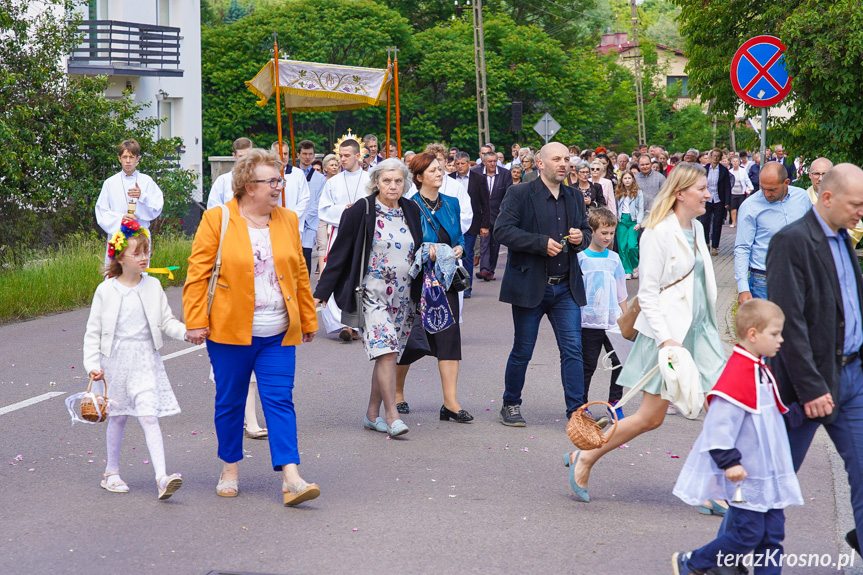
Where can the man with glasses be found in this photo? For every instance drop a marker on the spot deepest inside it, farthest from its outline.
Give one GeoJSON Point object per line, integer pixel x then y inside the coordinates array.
{"type": "Point", "coordinates": [817, 170]}
{"type": "Point", "coordinates": [341, 192]}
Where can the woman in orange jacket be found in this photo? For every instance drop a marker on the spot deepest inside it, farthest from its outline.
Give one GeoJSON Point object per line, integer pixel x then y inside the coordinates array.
{"type": "Point", "coordinates": [261, 310]}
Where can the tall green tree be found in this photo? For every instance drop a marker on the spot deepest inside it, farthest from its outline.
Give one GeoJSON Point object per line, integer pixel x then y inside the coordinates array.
{"type": "Point", "coordinates": [825, 52]}
{"type": "Point", "coordinates": [59, 133]}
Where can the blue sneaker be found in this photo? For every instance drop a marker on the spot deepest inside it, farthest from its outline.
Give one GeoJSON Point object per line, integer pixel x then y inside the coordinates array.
{"type": "Point", "coordinates": [680, 564]}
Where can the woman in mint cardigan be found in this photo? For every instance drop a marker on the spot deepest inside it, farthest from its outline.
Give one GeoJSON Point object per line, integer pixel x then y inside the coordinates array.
{"type": "Point", "coordinates": [441, 224]}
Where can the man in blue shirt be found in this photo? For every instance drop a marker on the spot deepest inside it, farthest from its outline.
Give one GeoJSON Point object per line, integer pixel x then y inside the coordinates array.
{"type": "Point", "coordinates": [763, 214]}
{"type": "Point", "coordinates": [814, 276]}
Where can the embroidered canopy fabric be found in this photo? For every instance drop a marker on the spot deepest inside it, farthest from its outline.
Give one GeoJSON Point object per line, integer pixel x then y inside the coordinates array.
{"type": "Point", "coordinates": [314, 87]}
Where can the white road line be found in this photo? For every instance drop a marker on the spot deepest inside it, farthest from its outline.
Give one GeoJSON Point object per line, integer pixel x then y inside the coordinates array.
{"type": "Point", "coordinates": [183, 352]}
{"type": "Point", "coordinates": [31, 401]}
{"type": "Point", "coordinates": [49, 395]}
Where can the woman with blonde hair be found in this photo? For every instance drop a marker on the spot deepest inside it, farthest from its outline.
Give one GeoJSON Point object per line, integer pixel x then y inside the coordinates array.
{"type": "Point", "coordinates": [677, 294]}
{"type": "Point", "coordinates": [630, 211]}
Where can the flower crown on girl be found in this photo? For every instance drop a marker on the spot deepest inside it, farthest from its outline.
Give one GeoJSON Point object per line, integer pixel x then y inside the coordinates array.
{"type": "Point", "coordinates": [120, 239]}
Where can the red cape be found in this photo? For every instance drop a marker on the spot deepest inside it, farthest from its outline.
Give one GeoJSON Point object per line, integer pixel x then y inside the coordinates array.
{"type": "Point", "coordinates": [739, 382]}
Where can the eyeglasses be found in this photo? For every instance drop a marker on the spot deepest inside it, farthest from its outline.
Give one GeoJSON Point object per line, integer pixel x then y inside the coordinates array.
{"type": "Point", "coordinates": [817, 174]}
{"type": "Point", "coordinates": [274, 182]}
{"type": "Point", "coordinates": [142, 255]}
{"type": "Point", "coordinates": [595, 169]}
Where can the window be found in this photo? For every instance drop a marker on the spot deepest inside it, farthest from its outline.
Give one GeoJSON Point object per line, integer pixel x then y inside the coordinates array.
{"type": "Point", "coordinates": [682, 80]}
{"type": "Point", "coordinates": [98, 10]}
{"type": "Point", "coordinates": [166, 113]}
{"type": "Point", "coordinates": [164, 13]}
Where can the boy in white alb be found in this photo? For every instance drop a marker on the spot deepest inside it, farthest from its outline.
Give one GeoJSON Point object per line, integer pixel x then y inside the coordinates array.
{"type": "Point", "coordinates": [744, 443]}
{"type": "Point", "coordinates": [605, 288]}
{"type": "Point", "coordinates": [222, 190]}
{"type": "Point", "coordinates": [126, 190]}
{"type": "Point", "coordinates": [341, 192]}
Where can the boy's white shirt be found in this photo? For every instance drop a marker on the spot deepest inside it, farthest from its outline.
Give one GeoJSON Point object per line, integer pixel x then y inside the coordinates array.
{"type": "Point", "coordinates": [114, 200]}
{"type": "Point", "coordinates": [102, 323]}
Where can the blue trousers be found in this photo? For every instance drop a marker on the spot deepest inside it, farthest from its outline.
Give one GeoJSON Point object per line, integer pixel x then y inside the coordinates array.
{"type": "Point", "coordinates": [758, 284]}
{"type": "Point", "coordinates": [467, 260]}
{"type": "Point", "coordinates": [565, 318]}
{"type": "Point", "coordinates": [274, 367]}
{"type": "Point", "coordinates": [846, 432]}
{"type": "Point", "coordinates": [746, 530]}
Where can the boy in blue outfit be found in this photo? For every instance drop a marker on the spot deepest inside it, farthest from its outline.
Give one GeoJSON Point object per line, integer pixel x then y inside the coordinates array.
{"type": "Point", "coordinates": [744, 442]}
{"type": "Point", "coordinates": [605, 287]}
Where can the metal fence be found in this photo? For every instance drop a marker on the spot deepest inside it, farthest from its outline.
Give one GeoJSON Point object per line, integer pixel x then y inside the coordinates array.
{"type": "Point", "coordinates": [112, 47]}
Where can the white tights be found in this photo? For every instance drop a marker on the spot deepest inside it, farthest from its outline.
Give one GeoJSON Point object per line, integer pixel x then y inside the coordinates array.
{"type": "Point", "coordinates": [152, 434]}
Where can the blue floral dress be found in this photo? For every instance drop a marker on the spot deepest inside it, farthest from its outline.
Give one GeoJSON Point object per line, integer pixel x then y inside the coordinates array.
{"type": "Point", "coordinates": [387, 306]}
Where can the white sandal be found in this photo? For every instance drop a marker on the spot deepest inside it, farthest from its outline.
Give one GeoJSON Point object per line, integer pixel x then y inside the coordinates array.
{"type": "Point", "coordinates": [224, 484]}
{"type": "Point", "coordinates": [299, 492]}
{"type": "Point", "coordinates": [173, 483]}
{"type": "Point", "coordinates": [116, 487]}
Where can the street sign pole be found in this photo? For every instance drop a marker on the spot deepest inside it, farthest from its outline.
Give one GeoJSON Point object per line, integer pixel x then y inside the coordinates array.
{"type": "Point", "coordinates": [763, 136]}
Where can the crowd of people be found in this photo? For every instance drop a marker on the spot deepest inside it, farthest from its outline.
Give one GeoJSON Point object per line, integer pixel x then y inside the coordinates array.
{"type": "Point", "coordinates": [399, 243]}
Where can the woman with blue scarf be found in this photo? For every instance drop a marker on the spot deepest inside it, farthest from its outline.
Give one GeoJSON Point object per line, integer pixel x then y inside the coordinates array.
{"type": "Point", "coordinates": [443, 244]}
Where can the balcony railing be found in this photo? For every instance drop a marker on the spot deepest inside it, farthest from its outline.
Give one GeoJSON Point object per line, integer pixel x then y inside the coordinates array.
{"type": "Point", "coordinates": [125, 48]}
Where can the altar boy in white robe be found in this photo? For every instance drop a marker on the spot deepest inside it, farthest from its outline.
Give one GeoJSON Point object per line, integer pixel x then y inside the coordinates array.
{"type": "Point", "coordinates": [125, 188]}
{"type": "Point", "coordinates": [222, 190]}
{"type": "Point", "coordinates": [297, 193]}
{"type": "Point", "coordinates": [341, 192]}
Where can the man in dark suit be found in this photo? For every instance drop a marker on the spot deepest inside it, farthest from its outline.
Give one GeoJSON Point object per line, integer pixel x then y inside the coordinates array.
{"type": "Point", "coordinates": [544, 225]}
{"type": "Point", "coordinates": [497, 181]}
{"type": "Point", "coordinates": [814, 276]}
{"type": "Point", "coordinates": [481, 223]}
{"type": "Point", "coordinates": [779, 152]}
{"type": "Point", "coordinates": [719, 186]}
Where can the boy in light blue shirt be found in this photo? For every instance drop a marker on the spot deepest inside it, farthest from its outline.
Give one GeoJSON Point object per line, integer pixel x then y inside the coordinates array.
{"type": "Point", "coordinates": [605, 287]}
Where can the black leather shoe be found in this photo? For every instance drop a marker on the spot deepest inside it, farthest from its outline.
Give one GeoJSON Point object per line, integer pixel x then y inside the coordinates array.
{"type": "Point", "coordinates": [403, 407]}
{"type": "Point", "coordinates": [461, 417]}
{"type": "Point", "coordinates": [851, 539]}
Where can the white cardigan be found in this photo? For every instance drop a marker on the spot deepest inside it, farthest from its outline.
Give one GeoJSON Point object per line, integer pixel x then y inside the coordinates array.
{"type": "Point", "coordinates": [665, 257]}
{"type": "Point", "coordinates": [99, 337]}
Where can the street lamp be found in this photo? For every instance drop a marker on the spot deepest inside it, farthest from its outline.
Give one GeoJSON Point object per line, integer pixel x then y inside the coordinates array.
{"type": "Point", "coordinates": [459, 9]}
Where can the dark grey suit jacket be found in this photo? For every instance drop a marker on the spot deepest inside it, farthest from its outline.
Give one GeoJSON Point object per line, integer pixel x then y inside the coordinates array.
{"type": "Point", "coordinates": [802, 280]}
{"type": "Point", "coordinates": [502, 183]}
{"type": "Point", "coordinates": [522, 227]}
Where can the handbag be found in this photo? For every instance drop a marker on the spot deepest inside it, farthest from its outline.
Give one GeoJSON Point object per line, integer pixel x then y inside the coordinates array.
{"type": "Point", "coordinates": [217, 266]}
{"type": "Point", "coordinates": [434, 307]}
{"type": "Point", "coordinates": [626, 322]}
{"type": "Point", "coordinates": [461, 279]}
{"type": "Point", "coordinates": [356, 319]}
{"type": "Point", "coordinates": [94, 408]}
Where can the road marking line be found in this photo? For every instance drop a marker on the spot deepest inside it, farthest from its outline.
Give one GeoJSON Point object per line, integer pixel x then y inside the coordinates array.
{"type": "Point", "coordinates": [183, 352]}
{"type": "Point", "coordinates": [31, 401]}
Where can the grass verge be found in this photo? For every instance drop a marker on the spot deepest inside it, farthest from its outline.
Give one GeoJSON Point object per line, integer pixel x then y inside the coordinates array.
{"type": "Point", "coordinates": [65, 277]}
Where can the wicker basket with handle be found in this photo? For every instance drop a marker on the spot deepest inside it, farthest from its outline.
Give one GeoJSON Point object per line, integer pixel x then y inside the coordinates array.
{"type": "Point", "coordinates": [583, 430]}
{"type": "Point", "coordinates": [94, 408]}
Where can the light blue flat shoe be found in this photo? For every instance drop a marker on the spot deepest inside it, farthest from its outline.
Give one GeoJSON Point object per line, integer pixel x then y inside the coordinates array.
{"type": "Point", "coordinates": [713, 509]}
{"type": "Point", "coordinates": [378, 425]}
{"type": "Point", "coordinates": [580, 492]}
{"type": "Point", "coordinates": [398, 428]}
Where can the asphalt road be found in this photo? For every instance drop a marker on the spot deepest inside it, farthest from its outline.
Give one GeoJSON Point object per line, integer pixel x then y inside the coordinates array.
{"type": "Point", "coordinates": [477, 498]}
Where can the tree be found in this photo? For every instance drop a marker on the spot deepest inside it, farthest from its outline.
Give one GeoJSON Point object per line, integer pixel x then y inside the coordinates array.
{"type": "Point", "coordinates": [235, 12]}
{"type": "Point", "coordinates": [825, 49]}
{"type": "Point", "coordinates": [59, 133]}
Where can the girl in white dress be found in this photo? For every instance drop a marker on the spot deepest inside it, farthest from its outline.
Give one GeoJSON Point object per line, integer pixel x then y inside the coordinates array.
{"type": "Point", "coordinates": [124, 332]}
